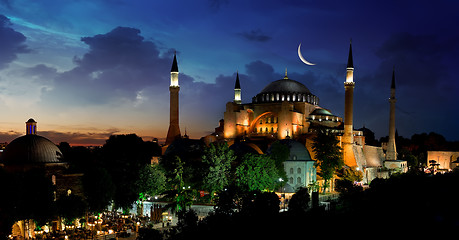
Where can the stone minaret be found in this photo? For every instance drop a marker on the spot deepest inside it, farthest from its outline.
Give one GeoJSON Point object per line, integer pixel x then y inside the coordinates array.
{"type": "Point", "coordinates": [391, 153]}
{"type": "Point", "coordinates": [31, 127]}
{"type": "Point", "coordinates": [237, 90]}
{"type": "Point", "coordinates": [174, 88]}
{"type": "Point", "coordinates": [348, 137]}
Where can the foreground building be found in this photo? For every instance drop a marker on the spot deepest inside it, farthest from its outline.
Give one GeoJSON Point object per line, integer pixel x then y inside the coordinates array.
{"type": "Point", "coordinates": [31, 152]}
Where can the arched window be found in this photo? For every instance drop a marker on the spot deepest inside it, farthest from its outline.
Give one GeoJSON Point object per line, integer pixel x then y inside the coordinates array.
{"type": "Point", "coordinates": [291, 170]}
{"type": "Point", "coordinates": [291, 180]}
{"type": "Point", "coordinates": [298, 181]}
{"type": "Point", "coordinates": [298, 170]}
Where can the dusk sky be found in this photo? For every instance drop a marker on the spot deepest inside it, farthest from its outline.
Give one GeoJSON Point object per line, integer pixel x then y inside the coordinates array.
{"type": "Point", "coordinates": [87, 69]}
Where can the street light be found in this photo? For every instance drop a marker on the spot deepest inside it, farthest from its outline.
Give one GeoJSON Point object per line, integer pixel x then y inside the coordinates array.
{"type": "Point", "coordinates": [283, 193]}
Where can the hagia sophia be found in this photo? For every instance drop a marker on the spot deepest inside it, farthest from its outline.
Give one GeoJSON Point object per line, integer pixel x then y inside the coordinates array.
{"type": "Point", "coordinates": [286, 110]}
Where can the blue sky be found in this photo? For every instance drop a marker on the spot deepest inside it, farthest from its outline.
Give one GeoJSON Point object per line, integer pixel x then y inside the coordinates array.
{"type": "Point", "coordinates": [87, 69]}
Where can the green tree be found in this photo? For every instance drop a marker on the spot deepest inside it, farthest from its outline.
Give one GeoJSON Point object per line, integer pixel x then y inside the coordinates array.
{"type": "Point", "coordinates": [328, 155]}
{"type": "Point", "coordinates": [350, 174]}
{"type": "Point", "coordinates": [256, 173]}
{"type": "Point", "coordinates": [151, 182]}
{"type": "Point", "coordinates": [279, 153]}
{"type": "Point", "coordinates": [218, 158]}
{"type": "Point", "coordinates": [182, 194]}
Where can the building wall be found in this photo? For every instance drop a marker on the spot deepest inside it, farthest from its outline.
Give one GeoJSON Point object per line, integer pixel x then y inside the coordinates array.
{"type": "Point", "coordinates": [300, 173]}
{"type": "Point", "coordinates": [444, 158]}
{"type": "Point", "coordinates": [291, 119]}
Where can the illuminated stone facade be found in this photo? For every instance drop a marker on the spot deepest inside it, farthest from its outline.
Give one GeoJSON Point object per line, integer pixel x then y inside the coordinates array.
{"type": "Point", "coordinates": [283, 108]}
{"type": "Point", "coordinates": [446, 160]}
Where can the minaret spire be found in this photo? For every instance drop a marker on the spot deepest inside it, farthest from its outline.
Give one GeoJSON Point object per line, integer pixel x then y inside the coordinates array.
{"type": "Point", "coordinates": [174, 88]}
{"type": "Point", "coordinates": [391, 153]}
{"type": "Point", "coordinates": [348, 136]}
{"type": "Point", "coordinates": [237, 90]}
{"type": "Point", "coordinates": [350, 62]}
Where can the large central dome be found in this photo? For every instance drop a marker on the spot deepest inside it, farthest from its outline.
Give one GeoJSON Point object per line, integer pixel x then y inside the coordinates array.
{"type": "Point", "coordinates": [285, 86]}
{"type": "Point", "coordinates": [285, 90]}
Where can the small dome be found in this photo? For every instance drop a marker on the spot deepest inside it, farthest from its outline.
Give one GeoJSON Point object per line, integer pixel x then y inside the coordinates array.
{"type": "Point", "coordinates": [31, 149]}
{"type": "Point", "coordinates": [298, 152]}
{"type": "Point", "coordinates": [321, 111]}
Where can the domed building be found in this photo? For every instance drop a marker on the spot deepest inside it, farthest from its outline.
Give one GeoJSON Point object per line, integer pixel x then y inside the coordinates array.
{"type": "Point", "coordinates": [31, 152]}
{"type": "Point", "coordinates": [283, 108]}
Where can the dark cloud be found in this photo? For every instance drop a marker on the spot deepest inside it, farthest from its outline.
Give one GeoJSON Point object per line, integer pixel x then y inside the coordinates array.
{"type": "Point", "coordinates": [12, 42]}
{"type": "Point", "coordinates": [255, 35]}
{"type": "Point", "coordinates": [118, 65]}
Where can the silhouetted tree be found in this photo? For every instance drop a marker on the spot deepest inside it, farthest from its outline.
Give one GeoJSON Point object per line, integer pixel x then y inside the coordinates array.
{"type": "Point", "coordinates": [71, 207]}
{"type": "Point", "coordinates": [299, 203]}
{"type": "Point", "coordinates": [124, 156]}
{"type": "Point", "coordinates": [99, 188]}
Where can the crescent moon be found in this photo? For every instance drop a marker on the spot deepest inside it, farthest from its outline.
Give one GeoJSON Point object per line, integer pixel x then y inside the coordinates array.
{"type": "Point", "coordinates": [302, 58]}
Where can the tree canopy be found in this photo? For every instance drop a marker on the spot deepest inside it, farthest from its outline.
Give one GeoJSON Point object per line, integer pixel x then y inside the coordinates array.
{"type": "Point", "coordinates": [328, 154]}
{"type": "Point", "coordinates": [218, 159]}
{"type": "Point", "coordinates": [256, 173]}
